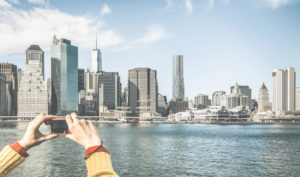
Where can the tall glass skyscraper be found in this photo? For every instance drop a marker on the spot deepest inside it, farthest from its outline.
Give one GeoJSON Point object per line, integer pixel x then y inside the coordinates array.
{"type": "Point", "coordinates": [64, 75]}
{"type": "Point", "coordinates": [178, 80]}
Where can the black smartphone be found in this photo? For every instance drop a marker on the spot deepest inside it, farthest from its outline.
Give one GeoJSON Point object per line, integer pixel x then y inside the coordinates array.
{"type": "Point", "coordinates": [59, 126]}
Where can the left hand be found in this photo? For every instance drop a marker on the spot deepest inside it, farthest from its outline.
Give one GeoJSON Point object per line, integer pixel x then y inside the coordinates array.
{"type": "Point", "coordinates": [33, 136]}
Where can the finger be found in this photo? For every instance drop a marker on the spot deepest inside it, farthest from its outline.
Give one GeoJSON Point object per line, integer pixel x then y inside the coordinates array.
{"type": "Point", "coordinates": [40, 119]}
{"type": "Point", "coordinates": [71, 137]}
{"type": "Point", "coordinates": [69, 121]}
{"type": "Point", "coordinates": [91, 126]}
{"type": "Point", "coordinates": [75, 118]}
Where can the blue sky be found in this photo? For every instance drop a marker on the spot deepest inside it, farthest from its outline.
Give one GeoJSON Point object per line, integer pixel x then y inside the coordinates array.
{"type": "Point", "coordinates": [223, 41]}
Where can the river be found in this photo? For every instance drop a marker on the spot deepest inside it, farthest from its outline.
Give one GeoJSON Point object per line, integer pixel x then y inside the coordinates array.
{"type": "Point", "coordinates": [170, 150]}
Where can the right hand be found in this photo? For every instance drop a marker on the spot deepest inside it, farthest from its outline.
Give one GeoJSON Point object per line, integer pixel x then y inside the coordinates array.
{"type": "Point", "coordinates": [83, 132]}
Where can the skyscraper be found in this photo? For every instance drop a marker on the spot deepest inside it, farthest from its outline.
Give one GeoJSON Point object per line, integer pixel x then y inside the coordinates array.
{"type": "Point", "coordinates": [217, 98]}
{"type": "Point", "coordinates": [297, 99]}
{"type": "Point", "coordinates": [263, 97]}
{"type": "Point", "coordinates": [32, 94]}
{"type": "Point", "coordinates": [80, 79]}
{"type": "Point", "coordinates": [64, 75]}
{"type": "Point", "coordinates": [110, 89]}
{"type": "Point", "coordinates": [283, 89]}
{"type": "Point", "coordinates": [178, 79]}
{"type": "Point", "coordinates": [244, 90]}
{"type": "Point", "coordinates": [201, 101]}
{"type": "Point", "coordinates": [96, 59]}
{"type": "Point", "coordinates": [142, 90]}
{"type": "Point", "coordinates": [10, 71]}
{"type": "Point", "coordinates": [2, 95]}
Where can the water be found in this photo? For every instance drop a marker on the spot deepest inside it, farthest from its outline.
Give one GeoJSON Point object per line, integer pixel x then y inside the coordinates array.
{"type": "Point", "coordinates": [170, 150]}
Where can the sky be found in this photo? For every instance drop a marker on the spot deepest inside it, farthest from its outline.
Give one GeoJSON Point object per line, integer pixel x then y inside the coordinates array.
{"type": "Point", "coordinates": [223, 41]}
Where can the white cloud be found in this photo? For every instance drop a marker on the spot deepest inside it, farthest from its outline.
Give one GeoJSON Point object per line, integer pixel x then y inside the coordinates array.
{"type": "Point", "coordinates": [276, 3]}
{"type": "Point", "coordinates": [20, 28]}
{"type": "Point", "coordinates": [154, 33]}
{"type": "Point", "coordinates": [105, 10]}
{"type": "Point", "coordinates": [4, 4]}
{"type": "Point", "coordinates": [37, 1]}
{"type": "Point", "coordinates": [189, 6]}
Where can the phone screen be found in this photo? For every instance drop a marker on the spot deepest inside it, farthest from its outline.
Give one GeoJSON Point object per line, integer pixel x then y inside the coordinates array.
{"type": "Point", "coordinates": [59, 126]}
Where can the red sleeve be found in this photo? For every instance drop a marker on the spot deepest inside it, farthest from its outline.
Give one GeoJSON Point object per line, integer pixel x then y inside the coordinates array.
{"type": "Point", "coordinates": [19, 149]}
{"type": "Point", "coordinates": [93, 148]}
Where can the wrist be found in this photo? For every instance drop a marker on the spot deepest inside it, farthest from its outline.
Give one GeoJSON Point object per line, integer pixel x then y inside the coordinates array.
{"type": "Point", "coordinates": [24, 144]}
{"type": "Point", "coordinates": [91, 144]}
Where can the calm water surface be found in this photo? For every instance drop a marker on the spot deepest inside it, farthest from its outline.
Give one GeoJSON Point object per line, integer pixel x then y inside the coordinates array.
{"type": "Point", "coordinates": [170, 150]}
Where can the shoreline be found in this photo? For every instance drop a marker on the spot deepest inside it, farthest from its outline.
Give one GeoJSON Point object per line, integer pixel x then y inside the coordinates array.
{"type": "Point", "coordinates": [212, 123]}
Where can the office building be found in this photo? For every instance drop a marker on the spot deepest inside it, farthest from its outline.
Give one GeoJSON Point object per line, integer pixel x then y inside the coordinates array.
{"type": "Point", "coordinates": [217, 98]}
{"type": "Point", "coordinates": [177, 105]}
{"type": "Point", "coordinates": [109, 89]}
{"type": "Point", "coordinates": [142, 90]}
{"type": "Point", "coordinates": [263, 97]}
{"type": "Point", "coordinates": [178, 79]}
{"type": "Point", "coordinates": [96, 59]}
{"type": "Point", "coordinates": [32, 94]}
{"type": "Point", "coordinates": [201, 101]}
{"type": "Point", "coordinates": [10, 72]}
{"type": "Point", "coordinates": [64, 76]}
{"type": "Point", "coordinates": [244, 90]}
{"type": "Point", "coordinates": [80, 79]}
{"type": "Point", "coordinates": [2, 95]}
{"type": "Point", "coordinates": [283, 90]}
{"type": "Point", "coordinates": [298, 98]}
{"type": "Point", "coordinates": [162, 108]}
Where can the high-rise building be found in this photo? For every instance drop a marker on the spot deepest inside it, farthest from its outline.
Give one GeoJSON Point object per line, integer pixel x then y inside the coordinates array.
{"type": "Point", "coordinates": [291, 89]}
{"type": "Point", "coordinates": [64, 76]}
{"type": "Point", "coordinates": [244, 90]}
{"type": "Point", "coordinates": [162, 107]}
{"type": "Point", "coordinates": [96, 59]}
{"type": "Point", "coordinates": [32, 94]}
{"type": "Point", "coordinates": [263, 97]}
{"type": "Point", "coordinates": [110, 89]}
{"type": "Point", "coordinates": [107, 88]}
{"type": "Point", "coordinates": [217, 98]}
{"type": "Point", "coordinates": [10, 71]}
{"type": "Point", "coordinates": [178, 79]}
{"type": "Point", "coordinates": [178, 105]}
{"type": "Point", "coordinates": [142, 90]}
{"type": "Point", "coordinates": [232, 101]}
{"type": "Point", "coordinates": [2, 95]}
{"type": "Point", "coordinates": [201, 101]}
{"type": "Point", "coordinates": [298, 98]}
{"type": "Point", "coordinates": [19, 76]}
{"type": "Point", "coordinates": [283, 89]}
{"type": "Point", "coordinates": [80, 79]}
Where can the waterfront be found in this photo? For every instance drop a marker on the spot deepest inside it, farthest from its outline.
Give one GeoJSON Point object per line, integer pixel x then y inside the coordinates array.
{"type": "Point", "coordinates": [171, 150]}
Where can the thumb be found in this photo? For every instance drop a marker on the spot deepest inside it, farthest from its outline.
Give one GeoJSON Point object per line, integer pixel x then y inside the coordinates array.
{"type": "Point", "coordinates": [49, 137]}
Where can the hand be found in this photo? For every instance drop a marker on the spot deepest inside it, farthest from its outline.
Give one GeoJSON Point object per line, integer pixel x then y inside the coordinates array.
{"type": "Point", "coordinates": [83, 132]}
{"type": "Point", "coordinates": [33, 136]}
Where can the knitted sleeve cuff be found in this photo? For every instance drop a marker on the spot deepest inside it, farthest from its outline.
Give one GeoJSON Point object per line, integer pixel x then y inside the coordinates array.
{"type": "Point", "coordinates": [19, 149]}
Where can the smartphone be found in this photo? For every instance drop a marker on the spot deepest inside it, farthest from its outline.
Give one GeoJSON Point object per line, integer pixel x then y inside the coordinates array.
{"type": "Point", "coordinates": [59, 126]}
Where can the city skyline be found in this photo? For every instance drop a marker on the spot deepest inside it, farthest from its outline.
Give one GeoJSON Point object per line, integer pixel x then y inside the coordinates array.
{"type": "Point", "coordinates": [254, 46]}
